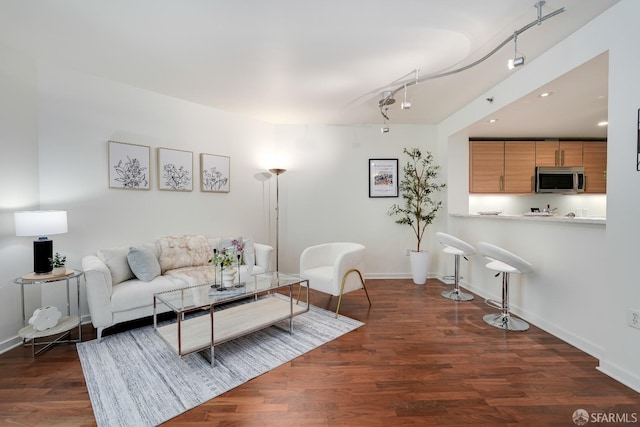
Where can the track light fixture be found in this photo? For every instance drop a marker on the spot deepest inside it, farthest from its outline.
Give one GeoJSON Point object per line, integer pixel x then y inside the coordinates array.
{"type": "Point", "coordinates": [405, 105]}
{"type": "Point", "coordinates": [517, 60]}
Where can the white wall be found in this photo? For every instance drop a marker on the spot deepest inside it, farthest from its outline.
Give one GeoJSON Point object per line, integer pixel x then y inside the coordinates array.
{"type": "Point", "coordinates": [623, 203]}
{"type": "Point", "coordinates": [324, 195]}
{"type": "Point", "coordinates": [18, 180]}
{"type": "Point", "coordinates": [585, 278]}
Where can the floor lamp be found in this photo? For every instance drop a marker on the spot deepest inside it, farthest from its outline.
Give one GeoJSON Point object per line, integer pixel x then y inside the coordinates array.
{"type": "Point", "coordinates": [277, 172]}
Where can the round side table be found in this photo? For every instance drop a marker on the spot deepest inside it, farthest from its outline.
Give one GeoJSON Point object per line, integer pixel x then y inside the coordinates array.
{"type": "Point", "coordinates": [65, 325]}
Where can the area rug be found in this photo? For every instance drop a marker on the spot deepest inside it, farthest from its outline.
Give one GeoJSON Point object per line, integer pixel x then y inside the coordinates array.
{"type": "Point", "coordinates": [134, 379]}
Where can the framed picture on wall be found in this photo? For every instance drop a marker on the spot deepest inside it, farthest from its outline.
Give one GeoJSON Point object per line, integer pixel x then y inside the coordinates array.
{"type": "Point", "coordinates": [383, 177]}
{"type": "Point", "coordinates": [175, 170]}
{"type": "Point", "coordinates": [128, 165]}
{"type": "Point", "coordinates": [215, 174]}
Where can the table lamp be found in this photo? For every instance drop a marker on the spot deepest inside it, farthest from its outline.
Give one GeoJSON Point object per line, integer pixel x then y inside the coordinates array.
{"type": "Point", "coordinates": [41, 224]}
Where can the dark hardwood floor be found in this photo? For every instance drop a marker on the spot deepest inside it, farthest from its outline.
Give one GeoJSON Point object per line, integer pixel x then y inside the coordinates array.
{"type": "Point", "coordinates": [420, 359]}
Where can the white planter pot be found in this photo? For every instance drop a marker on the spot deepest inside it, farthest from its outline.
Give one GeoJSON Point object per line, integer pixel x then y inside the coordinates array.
{"type": "Point", "coordinates": [419, 266]}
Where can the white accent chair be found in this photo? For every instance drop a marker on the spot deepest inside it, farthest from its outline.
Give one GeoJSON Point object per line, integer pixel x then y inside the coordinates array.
{"type": "Point", "coordinates": [334, 268]}
{"type": "Point", "coordinates": [456, 247]}
{"type": "Point", "coordinates": [504, 262]}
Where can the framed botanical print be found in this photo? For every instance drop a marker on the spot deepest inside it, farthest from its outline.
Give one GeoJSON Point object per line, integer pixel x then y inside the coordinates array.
{"type": "Point", "coordinates": [175, 170]}
{"type": "Point", "coordinates": [383, 177]}
{"type": "Point", "coordinates": [128, 165]}
{"type": "Point", "coordinates": [215, 173]}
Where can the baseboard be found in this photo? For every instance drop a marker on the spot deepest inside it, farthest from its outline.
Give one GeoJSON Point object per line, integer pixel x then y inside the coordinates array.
{"type": "Point", "coordinates": [10, 344]}
{"type": "Point", "coordinates": [587, 346]}
{"type": "Point", "coordinates": [621, 375]}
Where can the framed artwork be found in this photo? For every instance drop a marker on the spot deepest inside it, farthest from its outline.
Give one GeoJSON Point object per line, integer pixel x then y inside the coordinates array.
{"type": "Point", "coordinates": [128, 165]}
{"type": "Point", "coordinates": [175, 170]}
{"type": "Point", "coordinates": [383, 177]}
{"type": "Point", "coordinates": [215, 175]}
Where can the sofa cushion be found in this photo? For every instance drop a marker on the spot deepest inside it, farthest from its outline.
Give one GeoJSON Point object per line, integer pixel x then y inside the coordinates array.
{"type": "Point", "coordinates": [183, 251]}
{"type": "Point", "coordinates": [116, 261]}
{"type": "Point", "coordinates": [143, 263]}
{"type": "Point", "coordinates": [135, 293]}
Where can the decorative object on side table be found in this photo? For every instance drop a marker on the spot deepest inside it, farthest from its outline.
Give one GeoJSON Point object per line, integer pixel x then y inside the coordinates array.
{"type": "Point", "coordinates": [58, 264]}
{"type": "Point", "coordinates": [419, 208]}
{"type": "Point", "coordinates": [45, 318]}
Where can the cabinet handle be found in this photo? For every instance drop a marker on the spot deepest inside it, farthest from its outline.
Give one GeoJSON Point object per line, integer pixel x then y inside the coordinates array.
{"type": "Point", "coordinates": [562, 158]}
{"type": "Point", "coordinates": [557, 159]}
{"type": "Point", "coordinates": [533, 184]}
{"type": "Point", "coordinates": [501, 182]}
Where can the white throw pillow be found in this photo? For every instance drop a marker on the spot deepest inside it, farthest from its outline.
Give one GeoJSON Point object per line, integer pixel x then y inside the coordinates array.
{"type": "Point", "coordinates": [116, 261]}
{"type": "Point", "coordinates": [143, 263]}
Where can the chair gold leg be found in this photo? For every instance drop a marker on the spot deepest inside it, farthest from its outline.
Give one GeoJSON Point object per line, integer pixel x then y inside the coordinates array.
{"type": "Point", "coordinates": [344, 279]}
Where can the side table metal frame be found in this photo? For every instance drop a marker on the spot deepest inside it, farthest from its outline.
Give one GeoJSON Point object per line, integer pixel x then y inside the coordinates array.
{"type": "Point", "coordinates": [64, 333]}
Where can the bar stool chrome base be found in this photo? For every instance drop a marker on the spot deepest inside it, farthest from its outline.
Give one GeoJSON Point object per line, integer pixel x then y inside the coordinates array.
{"type": "Point", "coordinates": [506, 322]}
{"type": "Point", "coordinates": [457, 295]}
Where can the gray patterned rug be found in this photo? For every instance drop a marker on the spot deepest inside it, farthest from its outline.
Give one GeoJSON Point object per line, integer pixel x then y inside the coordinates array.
{"type": "Point", "coordinates": [134, 379]}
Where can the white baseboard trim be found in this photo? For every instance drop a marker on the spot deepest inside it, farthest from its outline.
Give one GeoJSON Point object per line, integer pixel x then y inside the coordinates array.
{"type": "Point", "coordinates": [569, 337]}
{"type": "Point", "coordinates": [623, 376]}
{"type": "Point", "coordinates": [10, 344]}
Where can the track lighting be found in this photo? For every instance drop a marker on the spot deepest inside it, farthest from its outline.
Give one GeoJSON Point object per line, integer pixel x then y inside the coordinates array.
{"type": "Point", "coordinates": [517, 60]}
{"type": "Point", "coordinates": [405, 105]}
{"type": "Point", "coordinates": [384, 129]}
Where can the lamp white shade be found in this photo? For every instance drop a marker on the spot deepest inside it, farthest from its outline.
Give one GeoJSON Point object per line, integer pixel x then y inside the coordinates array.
{"type": "Point", "coordinates": [40, 223]}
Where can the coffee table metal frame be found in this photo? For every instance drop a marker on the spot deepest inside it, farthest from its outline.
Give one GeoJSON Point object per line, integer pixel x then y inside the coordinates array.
{"type": "Point", "coordinates": [198, 333]}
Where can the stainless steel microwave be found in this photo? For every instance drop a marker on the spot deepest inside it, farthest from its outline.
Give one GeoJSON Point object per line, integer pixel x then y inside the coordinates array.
{"type": "Point", "coordinates": [568, 180]}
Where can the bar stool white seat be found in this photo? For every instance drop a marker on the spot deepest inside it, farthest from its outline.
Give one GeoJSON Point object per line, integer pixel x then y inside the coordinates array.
{"type": "Point", "coordinates": [457, 248]}
{"type": "Point", "coordinates": [506, 263]}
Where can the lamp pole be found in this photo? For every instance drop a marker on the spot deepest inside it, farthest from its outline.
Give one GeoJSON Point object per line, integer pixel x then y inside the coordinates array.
{"type": "Point", "coordinates": [277, 172]}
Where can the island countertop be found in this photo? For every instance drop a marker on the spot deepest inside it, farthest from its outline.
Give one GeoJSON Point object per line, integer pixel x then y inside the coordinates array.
{"type": "Point", "coordinates": [553, 218]}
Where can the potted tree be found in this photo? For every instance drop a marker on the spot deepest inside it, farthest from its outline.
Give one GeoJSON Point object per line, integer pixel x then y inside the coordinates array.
{"type": "Point", "coordinates": [418, 209]}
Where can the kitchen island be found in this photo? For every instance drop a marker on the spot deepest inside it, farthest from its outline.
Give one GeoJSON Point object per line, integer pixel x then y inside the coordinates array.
{"type": "Point", "coordinates": [564, 293]}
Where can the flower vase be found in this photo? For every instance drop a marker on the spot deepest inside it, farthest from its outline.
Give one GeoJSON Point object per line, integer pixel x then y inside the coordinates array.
{"type": "Point", "coordinates": [228, 276]}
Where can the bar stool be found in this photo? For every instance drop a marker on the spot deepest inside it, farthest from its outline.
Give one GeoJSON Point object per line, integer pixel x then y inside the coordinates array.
{"type": "Point", "coordinates": [456, 247]}
{"type": "Point", "coordinates": [506, 263]}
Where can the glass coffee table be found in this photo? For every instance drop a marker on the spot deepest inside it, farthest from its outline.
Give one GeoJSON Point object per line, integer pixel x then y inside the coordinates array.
{"type": "Point", "coordinates": [199, 326]}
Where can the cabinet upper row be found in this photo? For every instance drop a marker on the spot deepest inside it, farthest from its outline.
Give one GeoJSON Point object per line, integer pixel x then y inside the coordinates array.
{"type": "Point", "coordinates": [509, 166]}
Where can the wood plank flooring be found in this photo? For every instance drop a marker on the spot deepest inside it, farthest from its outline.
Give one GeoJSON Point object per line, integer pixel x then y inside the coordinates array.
{"type": "Point", "coordinates": [419, 360]}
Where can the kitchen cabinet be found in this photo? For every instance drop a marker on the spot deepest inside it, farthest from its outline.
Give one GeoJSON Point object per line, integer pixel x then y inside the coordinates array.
{"type": "Point", "coordinates": [501, 167]}
{"type": "Point", "coordinates": [559, 153]}
{"type": "Point", "coordinates": [486, 164]}
{"type": "Point", "coordinates": [595, 167]}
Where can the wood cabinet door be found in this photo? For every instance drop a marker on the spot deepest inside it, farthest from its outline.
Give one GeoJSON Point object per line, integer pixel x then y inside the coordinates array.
{"type": "Point", "coordinates": [547, 153]}
{"type": "Point", "coordinates": [554, 153]}
{"type": "Point", "coordinates": [595, 167]}
{"type": "Point", "coordinates": [571, 153]}
{"type": "Point", "coordinates": [519, 166]}
{"type": "Point", "coordinates": [486, 167]}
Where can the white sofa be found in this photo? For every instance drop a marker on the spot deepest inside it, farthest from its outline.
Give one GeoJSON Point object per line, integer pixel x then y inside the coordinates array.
{"type": "Point", "coordinates": [121, 281]}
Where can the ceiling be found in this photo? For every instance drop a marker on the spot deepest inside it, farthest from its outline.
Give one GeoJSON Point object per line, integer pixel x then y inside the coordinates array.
{"type": "Point", "coordinates": [291, 61]}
